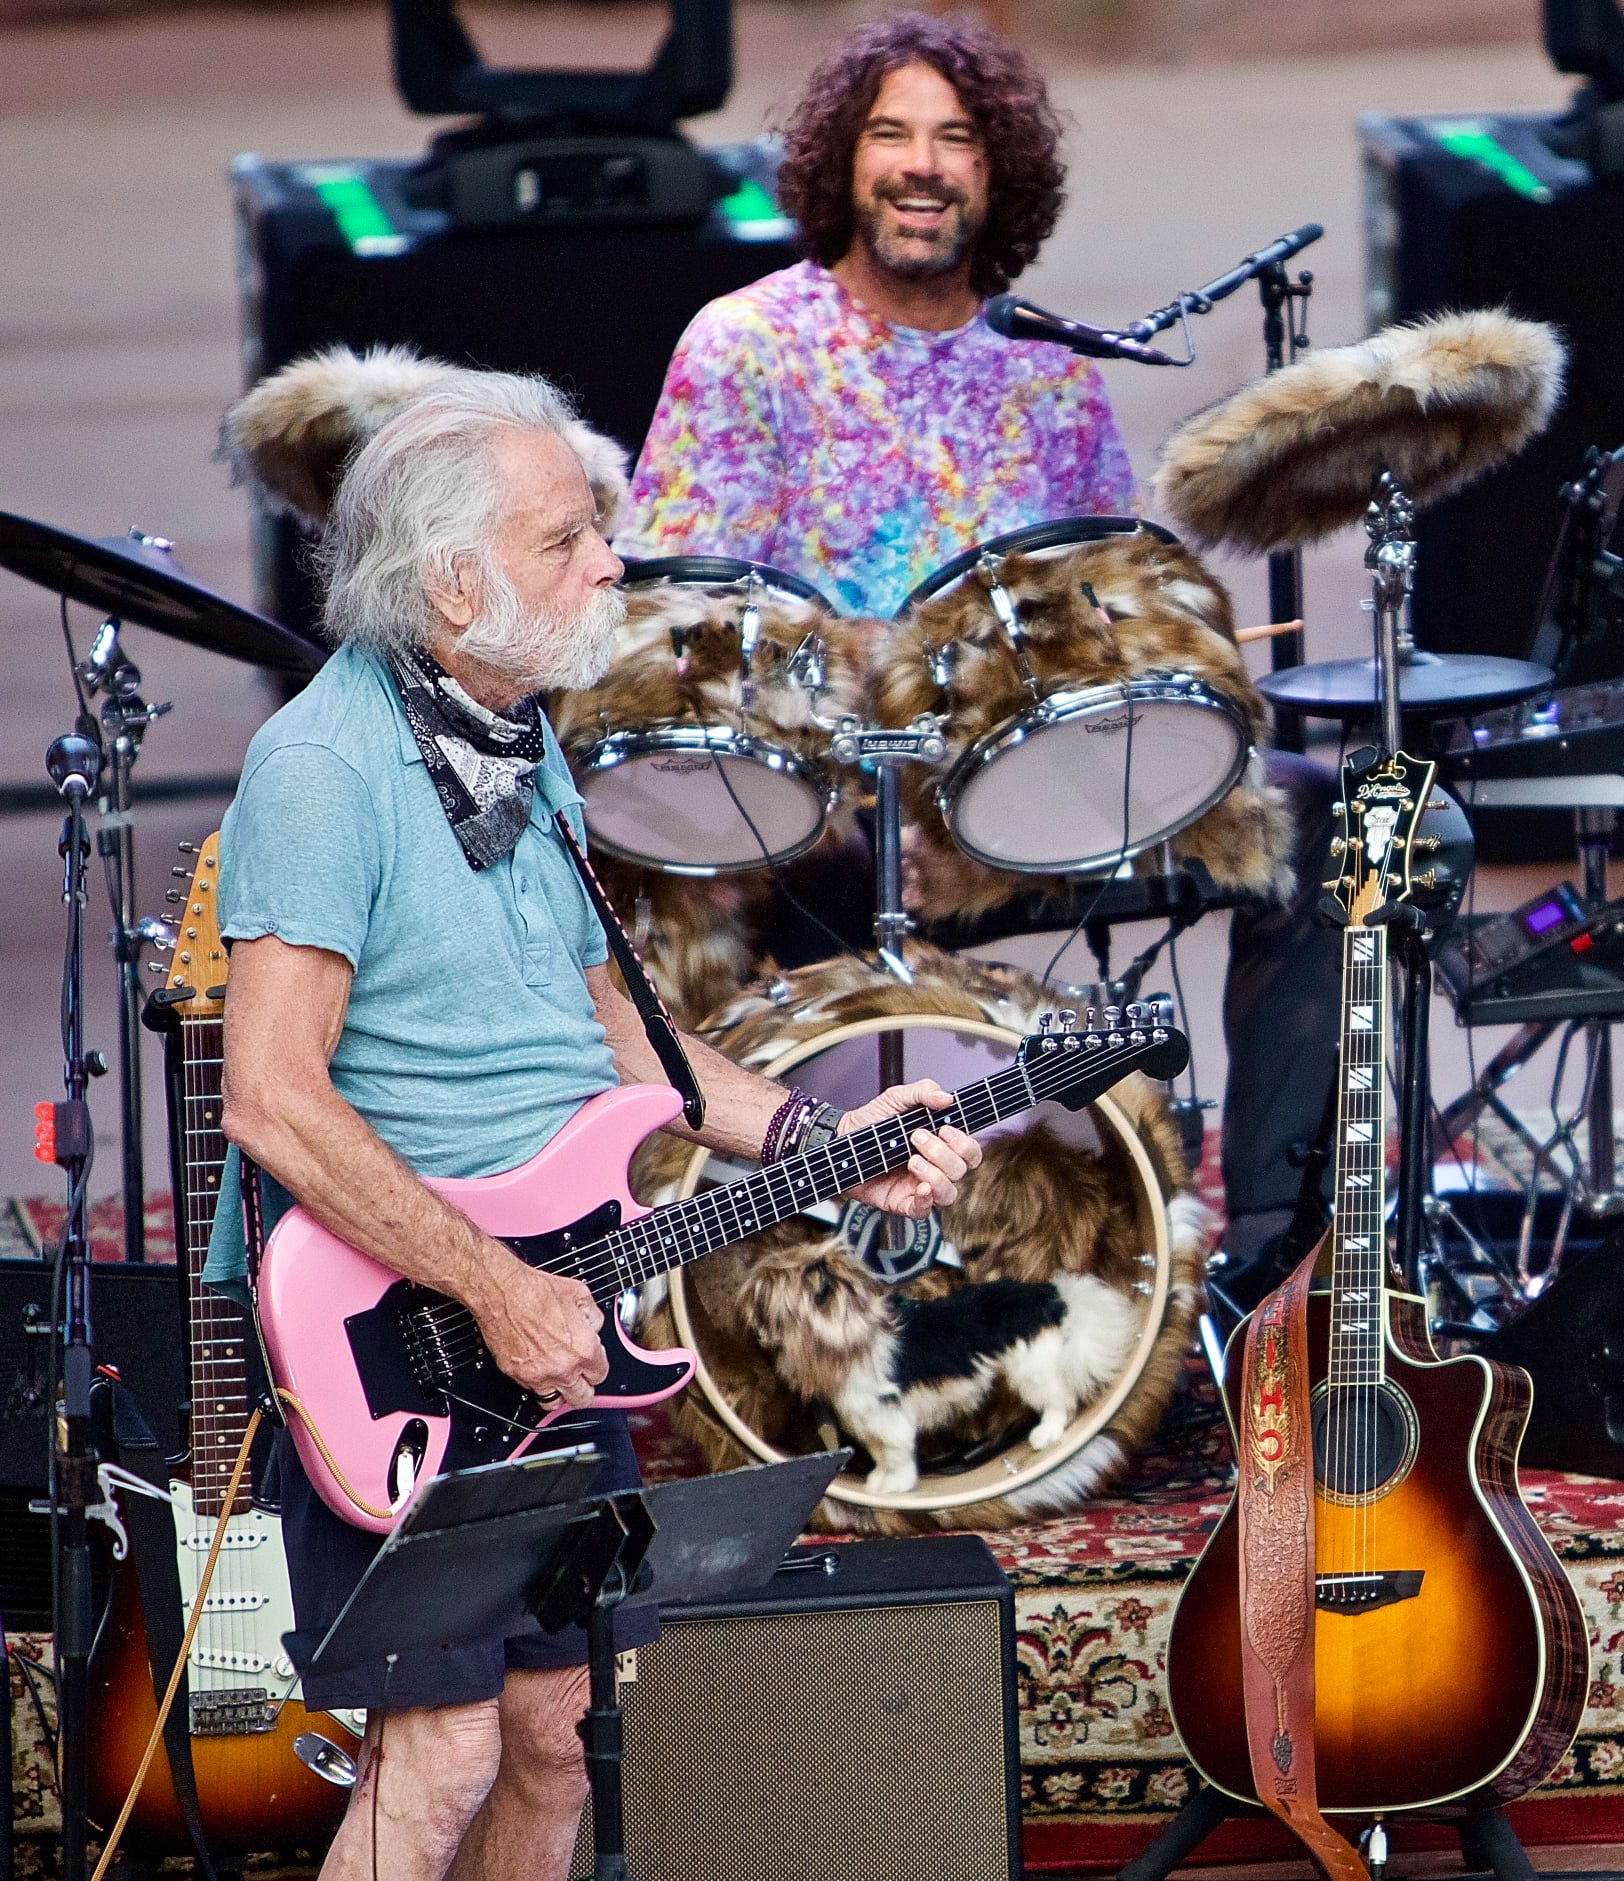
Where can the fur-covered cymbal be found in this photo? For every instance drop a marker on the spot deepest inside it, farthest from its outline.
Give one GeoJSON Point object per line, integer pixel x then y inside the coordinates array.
{"type": "Point", "coordinates": [294, 432]}
{"type": "Point", "coordinates": [1293, 456]}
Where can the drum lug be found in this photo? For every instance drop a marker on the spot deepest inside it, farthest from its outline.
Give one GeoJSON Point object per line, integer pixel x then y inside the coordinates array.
{"type": "Point", "coordinates": [988, 566]}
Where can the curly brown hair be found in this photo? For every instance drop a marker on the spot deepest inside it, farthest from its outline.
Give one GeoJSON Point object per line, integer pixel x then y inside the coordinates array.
{"type": "Point", "coordinates": [1006, 100]}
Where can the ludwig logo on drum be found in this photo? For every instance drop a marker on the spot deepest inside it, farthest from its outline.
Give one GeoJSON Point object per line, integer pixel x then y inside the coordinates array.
{"type": "Point", "coordinates": [681, 766]}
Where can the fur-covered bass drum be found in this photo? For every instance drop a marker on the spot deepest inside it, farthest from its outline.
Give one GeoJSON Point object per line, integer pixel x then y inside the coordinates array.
{"type": "Point", "coordinates": [703, 751]}
{"type": "Point", "coordinates": [1067, 1275]}
{"type": "Point", "coordinates": [1096, 706]}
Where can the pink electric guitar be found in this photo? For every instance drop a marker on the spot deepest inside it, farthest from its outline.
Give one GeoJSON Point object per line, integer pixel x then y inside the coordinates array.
{"type": "Point", "coordinates": [386, 1381]}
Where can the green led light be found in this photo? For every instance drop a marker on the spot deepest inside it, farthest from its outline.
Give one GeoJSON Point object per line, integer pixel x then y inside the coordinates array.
{"type": "Point", "coordinates": [362, 220]}
{"type": "Point", "coordinates": [1471, 140]}
{"type": "Point", "coordinates": [750, 204]}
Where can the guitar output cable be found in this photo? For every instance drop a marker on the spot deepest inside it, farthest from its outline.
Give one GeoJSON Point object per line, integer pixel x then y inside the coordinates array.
{"type": "Point", "coordinates": [183, 1657]}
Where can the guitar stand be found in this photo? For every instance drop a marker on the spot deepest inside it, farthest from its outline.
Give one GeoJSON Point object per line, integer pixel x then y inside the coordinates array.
{"type": "Point", "coordinates": [1488, 1843]}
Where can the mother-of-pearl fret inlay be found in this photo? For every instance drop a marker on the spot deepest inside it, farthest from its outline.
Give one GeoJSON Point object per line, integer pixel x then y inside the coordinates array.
{"type": "Point", "coordinates": [1359, 1244]}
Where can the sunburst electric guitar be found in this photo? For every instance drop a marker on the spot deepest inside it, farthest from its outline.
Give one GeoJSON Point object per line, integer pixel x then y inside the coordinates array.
{"type": "Point", "coordinates": [253, 1792]}
{"type": "Point", "coordinates": [386, 1381]}
{"type": "Point", "coordinates": [1450, 1654]}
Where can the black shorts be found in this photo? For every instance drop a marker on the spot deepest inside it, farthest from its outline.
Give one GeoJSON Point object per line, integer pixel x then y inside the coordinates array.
{"type": "Point", "coordinates": [327, 1557]}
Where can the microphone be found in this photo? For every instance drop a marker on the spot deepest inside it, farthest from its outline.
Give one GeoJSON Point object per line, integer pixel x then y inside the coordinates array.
{"type": "Point", "coordinates": [74, 764]}
{"type": "Point", "coordinates": [1018, 319]}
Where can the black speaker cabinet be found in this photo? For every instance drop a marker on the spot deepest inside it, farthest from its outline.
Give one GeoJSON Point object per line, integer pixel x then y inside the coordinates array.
{"type": "Point", "coordinates": [1571, 1343]}
{"type": "Point", "coordinates": [834, 1727]}
{"type": "Point", "coordinates": [136, 1325]}
{"type": "Point", "coordinates": [360, 252]}
{"type": "Point", "coordinates": [1483, 212]}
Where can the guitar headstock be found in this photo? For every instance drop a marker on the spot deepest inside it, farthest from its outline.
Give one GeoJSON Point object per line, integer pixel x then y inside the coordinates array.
{"type": "Point", "coordinates": [197, 970]}
{"type": "Point", "coordinates": [1377, 839]}
{"type": "Point", "coordinates": [1075, 1061]}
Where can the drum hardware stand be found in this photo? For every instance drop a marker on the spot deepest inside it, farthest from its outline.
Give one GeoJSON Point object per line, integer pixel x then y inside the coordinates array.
{"type": "Point", "coordinates": [988, 567]}
{"type": "Point", "coordinates": [125, 717]}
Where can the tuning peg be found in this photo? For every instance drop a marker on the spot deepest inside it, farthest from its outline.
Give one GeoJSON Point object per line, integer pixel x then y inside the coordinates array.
{"type": "Point", "coordinates": [187, 849]}
{"type": "Point", "coordinates": [1136, 1010]}
{"type": "Point", "coordinates": [1068, 1019]}
{"type": "Point", "coordinates": [1427, 879]}
{"type": "Point", "coordinates": [1339, 809]}
{"type": "Point", "coordinates": [1437, 803]}
{"type": "Point", "coordinates": [158, 967]}
{"type": "Point", "coordinates": [1428, 845]}
{"type": "Point", "coordinates": [1045, 1023]}
{"type": "Point", "coordinates": [1113, 1018]}
{"type": "Point", "coordinates": [184, 875]}
{"type": "Point", "coordinates": [1339, 845]}
{"type": "Point", "coordinates": [1091, 1018]}
{"type": "Point", "coordinates": [173, 895]}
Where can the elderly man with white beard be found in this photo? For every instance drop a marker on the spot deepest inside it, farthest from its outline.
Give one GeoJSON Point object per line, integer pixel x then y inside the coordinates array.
{"type": "Point", "coordinates": [418, 988]}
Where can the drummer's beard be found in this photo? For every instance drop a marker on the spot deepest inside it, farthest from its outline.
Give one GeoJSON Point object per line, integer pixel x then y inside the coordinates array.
{"type": "Point", "coordinates": [915, 257]}
{"type": "Point", "coordinates": [544, 649]}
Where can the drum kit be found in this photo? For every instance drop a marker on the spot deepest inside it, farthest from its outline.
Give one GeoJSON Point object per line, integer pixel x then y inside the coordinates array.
{"type": "Point", "coordinates": [1060, 712]}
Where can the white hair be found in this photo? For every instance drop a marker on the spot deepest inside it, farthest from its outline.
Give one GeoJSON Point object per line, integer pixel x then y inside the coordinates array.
{"type": "Point", "coordinates": [422, 497]}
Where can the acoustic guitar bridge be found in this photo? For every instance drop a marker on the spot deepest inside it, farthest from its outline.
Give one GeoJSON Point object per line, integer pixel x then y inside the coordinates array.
{"type": "Point", "coordinates": [1364, 1593]}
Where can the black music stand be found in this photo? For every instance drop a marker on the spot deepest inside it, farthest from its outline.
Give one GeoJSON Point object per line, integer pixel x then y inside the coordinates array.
{"type": "Point", "coordinates": [534, 1558]}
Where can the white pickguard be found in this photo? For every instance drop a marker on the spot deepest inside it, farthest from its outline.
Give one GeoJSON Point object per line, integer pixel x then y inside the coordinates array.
{"type": "Point", "coordinates": [238, 1645]}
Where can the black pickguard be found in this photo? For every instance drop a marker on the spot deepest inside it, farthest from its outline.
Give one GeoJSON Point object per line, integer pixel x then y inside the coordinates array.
{"type": "Point", "coordinates": [490, 1415]}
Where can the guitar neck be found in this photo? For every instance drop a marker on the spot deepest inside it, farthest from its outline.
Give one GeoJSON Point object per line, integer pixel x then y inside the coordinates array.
{"type": "Point", "coordinates": [680, 1232]}
{"type": "Point", "coordinates": [217, 1361]}
{"type": "Point", "coordinates": [1359, 1235]}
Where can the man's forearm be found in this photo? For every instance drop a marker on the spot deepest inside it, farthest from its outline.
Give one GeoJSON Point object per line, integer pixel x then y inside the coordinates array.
{"type": "Point", "coordinates": [343, 1174]}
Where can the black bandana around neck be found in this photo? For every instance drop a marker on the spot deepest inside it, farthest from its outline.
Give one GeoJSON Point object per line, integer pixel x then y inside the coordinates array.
{"type": "Point", "coordinates": [482, 763]}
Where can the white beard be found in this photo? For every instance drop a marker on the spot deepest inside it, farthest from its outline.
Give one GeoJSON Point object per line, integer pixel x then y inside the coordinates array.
{"type": "Point", "coordinates": [544, 650]}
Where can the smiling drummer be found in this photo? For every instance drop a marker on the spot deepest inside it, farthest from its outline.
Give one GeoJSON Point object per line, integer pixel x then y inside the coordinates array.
{"type": "Point", "coordinates": [854, 420]}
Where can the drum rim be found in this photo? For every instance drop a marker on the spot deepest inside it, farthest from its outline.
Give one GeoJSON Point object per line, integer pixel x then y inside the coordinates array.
{"type": "Point", "coordinates": [620, 747]}
{"type": "Point", "coordinates": [719, 571]}
{"type": "Point", "coordinates": [990, 1480]}
{"type": "Point", "coordinates": [1061, 532]}
{"type": "Point", "coordinates": [1055, 708]}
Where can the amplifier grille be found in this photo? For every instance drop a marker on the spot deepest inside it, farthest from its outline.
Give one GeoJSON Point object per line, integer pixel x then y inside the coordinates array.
{"type": "Point", "coordinates": [820, 1745]}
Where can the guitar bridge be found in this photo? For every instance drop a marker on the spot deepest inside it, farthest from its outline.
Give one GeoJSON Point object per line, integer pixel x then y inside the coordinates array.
{"type": "Point", "coordinates": [1364, 1593]}
{"type": "Point", "coordinates": [241, 1711]}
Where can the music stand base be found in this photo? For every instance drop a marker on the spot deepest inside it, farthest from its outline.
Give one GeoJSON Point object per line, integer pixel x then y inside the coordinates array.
{"type": "Point", "coordinates": [1487, 1840]}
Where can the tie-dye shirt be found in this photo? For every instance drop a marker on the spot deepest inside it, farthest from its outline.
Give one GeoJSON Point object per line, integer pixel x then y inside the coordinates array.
{"type": "Point", "coordinates": [798, 428]}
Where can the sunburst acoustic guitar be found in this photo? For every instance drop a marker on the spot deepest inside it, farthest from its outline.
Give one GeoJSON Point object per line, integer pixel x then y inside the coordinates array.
{"type": "Point", "coordinates": [1450, 1659]}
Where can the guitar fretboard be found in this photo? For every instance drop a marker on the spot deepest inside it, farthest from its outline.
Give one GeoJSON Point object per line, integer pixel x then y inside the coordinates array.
{"type": "Point", "coordinates": [218, 1367]}
{"type": "Point", "coordinates": [1359, 1243]}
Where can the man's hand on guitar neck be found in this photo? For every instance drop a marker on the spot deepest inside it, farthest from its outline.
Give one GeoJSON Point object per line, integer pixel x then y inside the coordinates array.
{"type": "Point", "coordinates": [282, 1022]}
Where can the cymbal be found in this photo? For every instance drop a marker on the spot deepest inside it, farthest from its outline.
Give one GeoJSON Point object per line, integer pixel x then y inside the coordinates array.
{"type": "Point", "coordinates": [1430, 685]}
{"type": "Point", "coordinates": [1291, 457]}
{"type": "Point", "coordinates": [137, 579]}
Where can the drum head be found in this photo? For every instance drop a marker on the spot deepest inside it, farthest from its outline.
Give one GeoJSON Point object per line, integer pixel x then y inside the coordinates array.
{"type": "Point", "coordinates": [690, 802]}
{"type": "Point", "coordinates": [1086, 780]}
{"type": "Point", "coordinates": [1037, 539]}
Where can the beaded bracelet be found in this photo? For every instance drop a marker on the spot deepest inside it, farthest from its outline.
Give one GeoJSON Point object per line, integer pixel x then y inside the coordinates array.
{"type": "Point", "coordinates": [784, 1128]}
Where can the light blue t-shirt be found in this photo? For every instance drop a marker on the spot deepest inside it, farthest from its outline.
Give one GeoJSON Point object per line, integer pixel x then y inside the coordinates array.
{"type": "Point", "coordinates": [470, 1036]}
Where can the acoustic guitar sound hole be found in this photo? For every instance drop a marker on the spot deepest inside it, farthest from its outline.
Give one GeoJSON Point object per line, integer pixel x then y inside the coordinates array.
{"type": "Point", "coordinates": [1364, 1439]}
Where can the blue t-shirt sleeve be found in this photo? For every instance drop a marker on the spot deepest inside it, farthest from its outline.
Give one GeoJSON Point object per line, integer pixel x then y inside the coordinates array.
{"type": "Point", "coordinates": [300, 854]}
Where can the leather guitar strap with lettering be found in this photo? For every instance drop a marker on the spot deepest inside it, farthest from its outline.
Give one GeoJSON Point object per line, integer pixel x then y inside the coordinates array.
{"type": "Point", "coordinates": [1275, 1503]}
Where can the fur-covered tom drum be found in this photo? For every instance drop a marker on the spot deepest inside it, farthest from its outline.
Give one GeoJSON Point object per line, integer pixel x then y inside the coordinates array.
{"type": "Point", "coordinates": [704, 750]}
{"type": "Point", "coordinates": [1096, 706]}
{"type": "Point", "coordinates": [798, 1332]}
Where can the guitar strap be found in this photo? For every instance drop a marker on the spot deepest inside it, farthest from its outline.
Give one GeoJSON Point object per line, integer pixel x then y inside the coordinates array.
{"type": "Point", "coordinates": [1275, 1500]}
{"type": "Point", "coordinates": [651, 1009]}
{"type": "Point", "coordinates": [122, 1431]}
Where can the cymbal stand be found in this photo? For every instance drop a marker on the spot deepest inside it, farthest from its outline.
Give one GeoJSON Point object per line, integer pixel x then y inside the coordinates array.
{"type": "Point", "coordinates": [125, 716]}
{"type": "Point", "coordinates": [1285, 335]}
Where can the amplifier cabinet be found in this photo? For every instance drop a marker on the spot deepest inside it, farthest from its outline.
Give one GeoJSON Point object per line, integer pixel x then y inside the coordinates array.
{"type": "Point", "coordinates": [354, 252]}
{"type": "Point", "coordinates": [835, 1726]}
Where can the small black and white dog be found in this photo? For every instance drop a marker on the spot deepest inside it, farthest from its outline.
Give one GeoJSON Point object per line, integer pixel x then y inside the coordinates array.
{"type": "Point", "coordinates": [892, 1367]}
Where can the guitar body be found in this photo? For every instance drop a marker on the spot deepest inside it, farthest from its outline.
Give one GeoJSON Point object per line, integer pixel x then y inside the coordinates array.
{"type": "Point", "coordinates": [332, 1322]}
{"type": "Point", "coordinates": [249, 1783]}
{"type": "Point", "coordinates": [1465, 1691]}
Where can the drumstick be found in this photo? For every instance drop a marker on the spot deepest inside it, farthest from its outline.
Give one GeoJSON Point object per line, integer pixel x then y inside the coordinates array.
{"type": "Point", "coordinates": [1245, 634]}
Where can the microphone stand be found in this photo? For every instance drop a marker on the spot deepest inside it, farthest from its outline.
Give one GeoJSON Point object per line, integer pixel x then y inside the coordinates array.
{"type": "Point", "coordinates": [1285, 335]}
{"type": "Point", "coordinates": [74, 763]}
